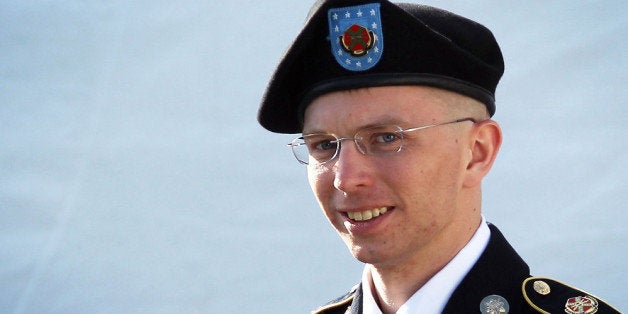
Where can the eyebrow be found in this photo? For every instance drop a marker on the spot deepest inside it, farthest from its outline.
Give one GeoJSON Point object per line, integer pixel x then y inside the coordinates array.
{"type": "Point", "coordinates": [385, 120]}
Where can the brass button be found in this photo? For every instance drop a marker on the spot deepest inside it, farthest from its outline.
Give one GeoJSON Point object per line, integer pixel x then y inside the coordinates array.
{"type": "Point", "coordinates": [541, 287]}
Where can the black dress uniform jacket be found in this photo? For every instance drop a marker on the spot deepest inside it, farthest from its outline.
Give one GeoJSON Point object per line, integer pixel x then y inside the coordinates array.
{"type": "Point", "coordinates": [499, 271]}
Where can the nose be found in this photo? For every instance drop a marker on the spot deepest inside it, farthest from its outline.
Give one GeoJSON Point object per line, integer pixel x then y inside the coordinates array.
{"type": "Point", "coordinates": [352, 169]}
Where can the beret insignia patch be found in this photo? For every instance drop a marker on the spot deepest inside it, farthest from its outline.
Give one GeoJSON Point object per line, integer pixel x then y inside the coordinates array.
{"type": "Point", "coordinates": [356, 36]}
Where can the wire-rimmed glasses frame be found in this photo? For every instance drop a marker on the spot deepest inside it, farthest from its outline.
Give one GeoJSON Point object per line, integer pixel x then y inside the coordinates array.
{"type": "Point", "coordinates": [375, 140]}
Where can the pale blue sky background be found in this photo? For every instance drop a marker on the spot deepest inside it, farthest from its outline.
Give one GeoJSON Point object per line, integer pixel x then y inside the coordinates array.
{"type": "Point", "coordinates": [135, 179]}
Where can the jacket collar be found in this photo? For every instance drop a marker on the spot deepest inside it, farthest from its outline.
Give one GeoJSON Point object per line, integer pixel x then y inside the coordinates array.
{"type": "Point", "coordinates": [498, 271]}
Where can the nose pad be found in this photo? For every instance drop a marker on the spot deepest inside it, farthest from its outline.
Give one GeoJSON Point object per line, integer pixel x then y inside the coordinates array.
{"type": "Point", "coordinates": [359, 146]}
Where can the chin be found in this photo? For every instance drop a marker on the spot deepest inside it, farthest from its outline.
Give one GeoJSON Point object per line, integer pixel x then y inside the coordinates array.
{"type": "Point", "coordinates": [365, 254]}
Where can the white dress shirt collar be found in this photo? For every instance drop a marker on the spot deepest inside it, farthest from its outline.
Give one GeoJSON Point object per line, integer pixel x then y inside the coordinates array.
{"type": "Point", "coordinates": [433, 296]}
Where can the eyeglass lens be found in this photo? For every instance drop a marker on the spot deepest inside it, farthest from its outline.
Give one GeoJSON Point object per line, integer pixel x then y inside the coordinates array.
{"type": "Point", "coordinates": [324, 147]}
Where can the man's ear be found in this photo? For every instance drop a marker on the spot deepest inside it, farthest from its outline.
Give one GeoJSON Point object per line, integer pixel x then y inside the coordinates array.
{"type": "Point", "coordinates": [484, 142]}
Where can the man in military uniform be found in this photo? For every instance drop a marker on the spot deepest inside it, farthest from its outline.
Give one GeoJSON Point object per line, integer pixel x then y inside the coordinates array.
{"type": "Point", "coordinates": [394, 104]}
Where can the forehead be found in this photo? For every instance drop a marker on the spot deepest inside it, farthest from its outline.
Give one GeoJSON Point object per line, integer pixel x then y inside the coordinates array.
{"type": "Point", "coordinates": [390, 104]}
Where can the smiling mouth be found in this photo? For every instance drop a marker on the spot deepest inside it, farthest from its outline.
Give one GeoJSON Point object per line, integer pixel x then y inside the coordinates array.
{"type": "Point", "coordinates": [367, 214]}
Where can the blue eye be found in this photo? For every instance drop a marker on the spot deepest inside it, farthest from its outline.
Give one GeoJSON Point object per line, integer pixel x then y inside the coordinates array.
{"type": "Point", "coordinates": [385, 137]}
{"type": "Point", "coordinates": [326, 145]}
{"type": "Point", "coordinates": [321, 143]}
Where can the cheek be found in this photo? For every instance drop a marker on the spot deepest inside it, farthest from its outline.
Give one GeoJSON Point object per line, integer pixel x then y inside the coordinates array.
{"type": "Point", "coordinates": [320, 181]}
{"type": "Point", "coordinates": [423, 179]}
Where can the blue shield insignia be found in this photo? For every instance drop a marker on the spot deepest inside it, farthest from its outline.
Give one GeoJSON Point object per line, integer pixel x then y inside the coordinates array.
{"type": "Point", "coordinates": [357, 40]}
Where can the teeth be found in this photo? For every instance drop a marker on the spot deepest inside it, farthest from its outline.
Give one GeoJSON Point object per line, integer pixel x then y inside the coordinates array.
{"type": "Point", "coordinates": [367, 214]}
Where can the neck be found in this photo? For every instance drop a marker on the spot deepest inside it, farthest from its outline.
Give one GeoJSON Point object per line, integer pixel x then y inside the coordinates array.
{"type": "Point", "coordinates": [395, 283]}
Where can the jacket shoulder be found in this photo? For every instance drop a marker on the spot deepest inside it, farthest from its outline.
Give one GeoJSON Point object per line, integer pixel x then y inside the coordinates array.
{"type": "Point", "coordinates": [547, 295]}
{"type": "Point", "coordinates": [338, 305]}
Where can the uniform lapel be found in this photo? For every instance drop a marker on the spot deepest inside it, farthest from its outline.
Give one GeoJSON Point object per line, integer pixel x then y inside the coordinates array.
{"type": "Point", "coordinates": [499, 271]}
{"type": "Point", "coordinates": [356, 305]}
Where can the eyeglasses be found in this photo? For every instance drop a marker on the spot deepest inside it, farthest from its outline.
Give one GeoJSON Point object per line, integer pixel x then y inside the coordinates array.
{"type": "Point", "coordinates": [375, 141]}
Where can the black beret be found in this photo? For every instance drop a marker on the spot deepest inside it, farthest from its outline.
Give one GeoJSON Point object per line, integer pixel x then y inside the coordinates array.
{"type": "Point", "coordinates": [349, 44]}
